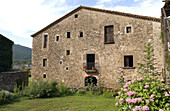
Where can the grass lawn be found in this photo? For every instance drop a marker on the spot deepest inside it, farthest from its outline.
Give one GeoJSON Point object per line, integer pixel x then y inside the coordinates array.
{"type": "Point", "coordinates": [68, 103]}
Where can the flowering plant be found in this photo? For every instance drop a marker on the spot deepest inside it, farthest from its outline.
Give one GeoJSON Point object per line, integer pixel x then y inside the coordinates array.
{"type": "Point", "coordinates": [145, 94]}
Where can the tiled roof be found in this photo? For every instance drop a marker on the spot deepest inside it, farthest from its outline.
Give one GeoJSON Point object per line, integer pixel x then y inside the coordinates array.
{"type": "Point", "coordinates": [99, 10]}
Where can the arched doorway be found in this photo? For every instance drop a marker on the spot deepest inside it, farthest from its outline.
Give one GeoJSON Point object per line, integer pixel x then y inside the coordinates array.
{"type": "Point", "coordinates": [90, 80]}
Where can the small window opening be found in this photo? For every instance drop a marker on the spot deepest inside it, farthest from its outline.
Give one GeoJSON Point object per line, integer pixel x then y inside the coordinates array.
{"type": "Point", "coordinates": [76, 15]}
{"type": "Point", "coordinates": [61, 62]}
{"type": "Point", "coordinates": [81, 34]}
{"type": "Point", "coordinates": [44, 62]}
{"type": "Point", "coordinates": [45, 41]}
{"type": "Point", "coordinates": [67, 52]}
{"type": "Point", "coordinates": [68, 35]}
{"type": "Point", "coordinates": [128, 61]}
{"type": "Point", "coordinates": [57, 38]}
{"type": "Point", "coordinates": [66, 68]}
{"type": "Point", "coordinates": [128, 29]}
{"type": "Point", "coordinates": [44, 76]}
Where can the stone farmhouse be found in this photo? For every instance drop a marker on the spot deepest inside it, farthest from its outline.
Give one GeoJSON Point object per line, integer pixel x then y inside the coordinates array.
{"type": "Point", "coordinates": [92, 42]}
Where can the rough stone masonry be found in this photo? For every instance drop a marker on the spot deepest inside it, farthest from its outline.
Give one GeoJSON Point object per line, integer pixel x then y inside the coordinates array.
{"type": "Point", "coordinates": [90, 41]}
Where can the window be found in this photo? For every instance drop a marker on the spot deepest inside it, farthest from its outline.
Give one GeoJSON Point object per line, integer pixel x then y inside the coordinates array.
{"type": "Point", "coordinates": [109, 34]}
{"type": "Point", "coordinates": [68, 34]}
{"type": "Point", "coordinates": [128, 61]}
{"type": "Point", "coordinates": [67, 52]}
{"type": "Point", "coordinates": [44, 76]}
{"type": "Point", "coordinates": [76, 16]}
{"type": "Point", "coordinates": [44, 62]}
{"type": "Point", "coordinates": [66, 68]}
{"type": "Point", "coordinates": [45, 41]}
{"type": "Point", "coordinates": [90, 61]}
{"type": "Point", "coordinates": [61, 62]}
{"type": "Point", "coordinates": [57, 38]}
{"type": "Point", "coordinates": [128, 29]}
{"type": "Point", "coordinates": [81, 34]}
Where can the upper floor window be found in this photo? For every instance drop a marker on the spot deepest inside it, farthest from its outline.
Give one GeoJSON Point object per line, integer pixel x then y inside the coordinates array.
{"type": "Point", "coordinates": [109, 34]}
{"type": "Point", "coordinates": [45, 41]}
{"type": "Point", "coordinates": [67, 52]}
{"type": "Point", "coordinates": [76, 15]}
{"type": "Point", "coordinates": [68, 35]}
{"type": "Point", "coordinates": [128, 29]}
{"type": "Point", "coordinates": [44, 62]}
{"type": "Point", "coordinates": [81, 34]}
{"type": "Point", "coordinates": [44, 76]}
{"type": "Point", "coordinates": [57, 38]}
{"type": "Point", "coordinates": [128, 61]}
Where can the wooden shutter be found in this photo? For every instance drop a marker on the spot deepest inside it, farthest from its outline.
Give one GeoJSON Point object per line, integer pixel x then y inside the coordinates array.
{"type": "Point", "coordinates": [109, 34]}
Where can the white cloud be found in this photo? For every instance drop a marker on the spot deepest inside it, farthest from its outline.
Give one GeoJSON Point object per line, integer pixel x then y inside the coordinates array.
{"type": "Point", "coordinates": [23, 17]}
{"type": "Point", "coordinates": [144, 7]}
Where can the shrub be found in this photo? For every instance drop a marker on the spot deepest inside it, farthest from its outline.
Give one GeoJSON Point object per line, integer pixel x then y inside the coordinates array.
{"type": "Point", "coordinates": [42, 89]}
{"type": "Point", "coordinates": [81, 92]}
{"type": "Point", "coordinates": [6, 96]}
{"type": "Point", "coordinates": [144, 94]}
{"type": "Point", "coordinates": [109, 93]}
{"type": "Point", "coordinates": [63, 90]}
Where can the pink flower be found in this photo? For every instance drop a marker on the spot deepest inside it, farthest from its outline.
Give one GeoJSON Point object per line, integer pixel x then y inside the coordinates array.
{"type": "Point", "coordinates": [128, 100]}
{"type": "Point", "coordinates": [130, 106]}
{"type": "Point", "coordinates": [125, 90]}
{"type": "Point", "coordinates": [161, 110]}
{"type": "Point", "coordinates": [117, 104]}
{"type": "Point", "coordinates": [150, 76]}
{"type": "Point", "coordinates": [117, 97]}
{"type": "Point", "coordinates": [134, 101]}
{"type": "Point", "coordinates": [121, 94]}
{"type": "Point", "coordinates": [167, 95]}
{"type": "Point", "coordinates": [135, 93]}
{"type": "Point", "coordinates": [133, 81]}
{"type": "Point", "coordinates": [159, 79]}
{"type": "Point", "coordinates": [137, 108]}
{"type": "Point", "coordinates": [147, 86]}
{"type": "Point", "coordinates": [152, 96]}
{"type": "Point", "coordinates": [122, 71]}
{"type": "Point", "coordinates": [147, 101]}
{"type": "Point", "coordinates": [122, 100]}
{"type": "Point", "coordinates": [139, 79]}
{"type": "Point", "coordinates": [145, 108]}
{"type": "Point", "coordinates": [163, 88]}
{"type": "Point", "coordinates": [121, 88]}
{"type": "Point", "coordinates": [86, 76]}
{"type": "Point", "coordinates": [129, 93]}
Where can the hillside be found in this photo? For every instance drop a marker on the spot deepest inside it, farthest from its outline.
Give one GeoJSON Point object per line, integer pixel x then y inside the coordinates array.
{"type": "Point", "coordinates": [21, 54]}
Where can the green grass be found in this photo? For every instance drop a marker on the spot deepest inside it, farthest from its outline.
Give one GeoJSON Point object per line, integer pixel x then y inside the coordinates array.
{"type": "Point", "coordinates": [68, 103]}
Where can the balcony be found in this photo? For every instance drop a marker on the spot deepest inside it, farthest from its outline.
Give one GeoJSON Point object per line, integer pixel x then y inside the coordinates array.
{"type": "Point", "coordinates": [90, 67]}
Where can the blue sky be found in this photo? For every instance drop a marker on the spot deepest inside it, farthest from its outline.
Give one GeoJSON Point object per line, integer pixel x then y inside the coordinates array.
{"type": "Point", "coordinates": [21, 18]}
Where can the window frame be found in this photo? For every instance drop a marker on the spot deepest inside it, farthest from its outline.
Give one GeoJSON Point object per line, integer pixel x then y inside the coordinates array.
{"type": "Point", "coordinates": [106, 35]}
{"type": "Point", "coordinates": [131, 61]}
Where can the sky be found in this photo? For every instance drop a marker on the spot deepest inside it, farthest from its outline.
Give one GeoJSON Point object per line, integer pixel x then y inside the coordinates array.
{"type": "Point", "coordinates": [21, 18]}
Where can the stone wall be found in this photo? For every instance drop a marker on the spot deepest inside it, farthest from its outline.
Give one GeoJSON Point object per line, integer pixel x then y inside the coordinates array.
{"type": "Point", "coordinates": [9, 79]}
{"type": "Point", "coordinates": [108, 57]}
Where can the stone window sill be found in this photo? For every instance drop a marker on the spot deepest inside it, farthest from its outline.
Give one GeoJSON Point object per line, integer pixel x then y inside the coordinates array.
{"type": "Point", "coordinates": [129, 67]}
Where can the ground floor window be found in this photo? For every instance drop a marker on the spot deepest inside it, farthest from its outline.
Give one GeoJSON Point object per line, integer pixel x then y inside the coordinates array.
{"type": "Point", "coordinates": [90, 80]}
{"type": "Point", "coordinates": [128, 61]}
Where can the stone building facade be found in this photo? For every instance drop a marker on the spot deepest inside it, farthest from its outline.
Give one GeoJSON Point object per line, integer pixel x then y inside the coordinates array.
{"type": "Point", "coordinates": [90, 41]}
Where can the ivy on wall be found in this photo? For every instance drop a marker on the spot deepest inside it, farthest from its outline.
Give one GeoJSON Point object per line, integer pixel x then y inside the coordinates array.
{"type": "Point", "coordinates": [5, 54]}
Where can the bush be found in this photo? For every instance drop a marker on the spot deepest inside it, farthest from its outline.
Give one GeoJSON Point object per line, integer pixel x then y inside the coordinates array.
{"type": "Point", "coordinates": [144, 94]}
{"type": "Point", "coordinates": [109, 93]}
{"type": "Point", "coordinates": [42, 89]}
{"type": "Point", "coordinates": [81, 92]}
{"type": "Point", "coordinates": [6, 96]}
{"type": "Point", "coordinates": [63, 90]}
